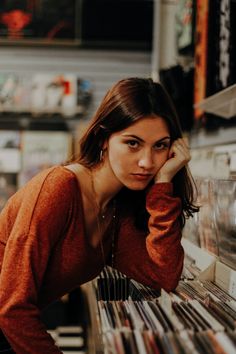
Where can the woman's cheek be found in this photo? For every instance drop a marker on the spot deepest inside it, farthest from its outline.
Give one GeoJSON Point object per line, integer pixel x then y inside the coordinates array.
{"type": "Point", "coordinates": [161, 160]}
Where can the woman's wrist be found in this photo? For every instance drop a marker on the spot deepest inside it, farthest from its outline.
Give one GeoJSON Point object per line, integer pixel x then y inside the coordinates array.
{"type": "Point", "coordinates": [162, 178]}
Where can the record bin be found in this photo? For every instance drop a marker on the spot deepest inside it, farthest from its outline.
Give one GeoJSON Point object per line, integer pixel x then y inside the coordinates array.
{"type": "Point", "coordinates": [199, 316]}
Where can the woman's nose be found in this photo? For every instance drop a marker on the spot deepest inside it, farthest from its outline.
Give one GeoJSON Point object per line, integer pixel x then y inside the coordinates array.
{"type": "Point", "coordinates": [146, 160]}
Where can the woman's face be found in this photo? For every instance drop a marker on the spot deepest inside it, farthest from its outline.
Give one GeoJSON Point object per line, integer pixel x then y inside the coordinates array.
{"type": "Point", "coordinates": [136, 153]}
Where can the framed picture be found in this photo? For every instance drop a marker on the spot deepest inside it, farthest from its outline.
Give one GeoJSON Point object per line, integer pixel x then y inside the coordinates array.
{"type": "Point", "coordinates": [40, 21]}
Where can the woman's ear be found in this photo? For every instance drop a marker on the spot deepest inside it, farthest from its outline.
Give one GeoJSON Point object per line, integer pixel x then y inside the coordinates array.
{"type": "Point", "coordinates": [102, 151]}
{"type": "Point", "coordinates": [105, 145]}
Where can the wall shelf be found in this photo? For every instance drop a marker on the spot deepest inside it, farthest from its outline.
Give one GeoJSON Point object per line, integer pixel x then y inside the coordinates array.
{"type": "Point", "coordinates": [222, 103]}
{"type": "Point", "coordinates": [203, 138]}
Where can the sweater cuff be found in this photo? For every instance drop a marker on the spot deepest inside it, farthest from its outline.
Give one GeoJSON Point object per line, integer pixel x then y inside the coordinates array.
{"type": "Point", "coordinates": [161, 188]}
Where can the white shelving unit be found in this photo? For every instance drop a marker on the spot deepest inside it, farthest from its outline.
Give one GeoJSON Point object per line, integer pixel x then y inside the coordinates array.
{"type": "Point", "coordinates": [212, 268]}
{"type": "Point", "coordinates": [223, 135]}
{"type": "Point", "coordinates": [222, 103]}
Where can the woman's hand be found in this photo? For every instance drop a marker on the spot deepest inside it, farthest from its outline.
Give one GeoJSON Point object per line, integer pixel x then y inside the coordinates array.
{"type": "Point", "coordinates": [178, 157]}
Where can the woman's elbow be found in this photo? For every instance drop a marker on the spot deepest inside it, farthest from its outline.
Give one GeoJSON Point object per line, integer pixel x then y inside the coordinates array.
{"type": "Point", "coordinates": [171, 276]}
{"type": "Point", "coordinates": [4, 317]}
{"type": "Point", "coordinates": [170, 284]}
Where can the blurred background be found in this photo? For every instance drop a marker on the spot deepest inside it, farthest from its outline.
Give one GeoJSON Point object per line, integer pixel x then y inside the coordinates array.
{"type": "Point", "coordinates": [59, 57]}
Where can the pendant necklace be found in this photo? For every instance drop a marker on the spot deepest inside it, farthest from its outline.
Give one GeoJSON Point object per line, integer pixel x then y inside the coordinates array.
{"type": "Point", "coordinates": [99, 227]}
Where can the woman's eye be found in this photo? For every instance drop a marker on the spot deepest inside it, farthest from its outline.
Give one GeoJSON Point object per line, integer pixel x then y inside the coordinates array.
{"type": "Point", "coordinates": [162, 146]}
{"type": "Point", "coordinates": [133, 143]}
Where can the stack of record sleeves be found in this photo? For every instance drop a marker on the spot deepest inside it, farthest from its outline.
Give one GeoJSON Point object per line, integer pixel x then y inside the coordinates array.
{"type": "Point", "coordinates": [113, 285]}
{"type": "Point", "coordinates": [197, 318]}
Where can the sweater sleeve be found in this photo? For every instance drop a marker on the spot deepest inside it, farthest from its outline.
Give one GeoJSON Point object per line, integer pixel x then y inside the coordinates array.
{"type": "Point", "coordinates": [156, 259]}
{"type": "Point", "coordinates": [38, 225]}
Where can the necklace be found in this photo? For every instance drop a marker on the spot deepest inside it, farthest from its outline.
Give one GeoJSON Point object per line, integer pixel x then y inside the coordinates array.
{"type": "Point", "coordinates": [99, 227]}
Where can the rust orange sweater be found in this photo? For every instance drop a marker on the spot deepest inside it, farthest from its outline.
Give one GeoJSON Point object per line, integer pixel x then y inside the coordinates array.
{"type": "Point", "coordinates": [44, 253]}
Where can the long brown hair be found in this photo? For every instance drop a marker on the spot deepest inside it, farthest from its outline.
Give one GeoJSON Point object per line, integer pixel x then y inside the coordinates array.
{"type": "Point", "coordinates": [126, 102]}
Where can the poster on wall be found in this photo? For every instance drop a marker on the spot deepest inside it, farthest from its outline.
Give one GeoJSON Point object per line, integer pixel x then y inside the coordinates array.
{"type": "Point", "coordinates": [185, 24]}
{"type": "Point", "coordinates": [39, 20]}
{"type": "Point", "coordinates": [221, 54]}
{"type": "Point", "coordinates": [215, 68]}
{"type": "Point", "coordinates": [201, 52]}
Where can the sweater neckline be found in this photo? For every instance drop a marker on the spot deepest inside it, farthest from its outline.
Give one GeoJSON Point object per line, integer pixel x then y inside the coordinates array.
{"type": "Point", "coordinates": [79, 192]}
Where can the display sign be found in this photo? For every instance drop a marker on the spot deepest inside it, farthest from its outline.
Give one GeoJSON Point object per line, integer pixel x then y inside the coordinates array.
{"type": "Point", "coordinates": [40, 21]}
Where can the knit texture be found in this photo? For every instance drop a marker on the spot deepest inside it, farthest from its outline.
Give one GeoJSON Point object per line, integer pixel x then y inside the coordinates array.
{"type": "Point", "coordinates": [44, 252]}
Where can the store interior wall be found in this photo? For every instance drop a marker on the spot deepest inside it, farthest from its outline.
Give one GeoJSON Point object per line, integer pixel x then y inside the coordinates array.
{"type": "Point", "coordinates": [105, 67]}
{"type": "Point", "coordinates": [102, 67]}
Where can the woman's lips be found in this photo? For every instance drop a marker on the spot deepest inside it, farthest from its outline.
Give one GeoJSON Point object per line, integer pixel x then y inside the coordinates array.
{"type": "Point", "coordinates": [141, 176]}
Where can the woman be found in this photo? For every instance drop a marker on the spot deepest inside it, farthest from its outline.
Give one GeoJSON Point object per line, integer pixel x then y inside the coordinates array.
{"type": "Point", "coordinates": [122, 202]}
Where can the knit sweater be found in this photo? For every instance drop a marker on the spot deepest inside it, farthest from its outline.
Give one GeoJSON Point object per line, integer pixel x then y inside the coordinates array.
{"type": "Point", "coordinates": [44, 252]}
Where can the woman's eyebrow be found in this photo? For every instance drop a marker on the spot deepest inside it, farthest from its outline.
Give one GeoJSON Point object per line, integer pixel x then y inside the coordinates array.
{"type": "Point", "coordinates": [140, 139]}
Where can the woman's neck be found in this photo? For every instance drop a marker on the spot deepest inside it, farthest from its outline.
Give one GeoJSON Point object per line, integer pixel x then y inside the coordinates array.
{"type": "Point", "coordinates": [104, 185]}
{"type": "Point", "coordinates": [98, 182]}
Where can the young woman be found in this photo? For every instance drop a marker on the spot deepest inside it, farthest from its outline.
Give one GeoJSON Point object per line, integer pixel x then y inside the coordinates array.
{"type": "Point", "coordinates": [122, 202]}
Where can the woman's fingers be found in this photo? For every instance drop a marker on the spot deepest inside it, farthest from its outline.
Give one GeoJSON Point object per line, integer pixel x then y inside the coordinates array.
{"type": "Point", "coordinates": [181, 150]}
{"type": "Point", "coordinates": [179, 156]}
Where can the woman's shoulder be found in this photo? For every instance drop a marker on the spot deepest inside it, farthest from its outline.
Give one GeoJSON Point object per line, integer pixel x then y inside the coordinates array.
{"type": "Point", "coordinates": [57, 176]}
{"type": "Point", "coordinates": [54, 183]}
{"type": "Point", "coordinates": [57, 181]}
{"type": "Point", "coordinates": [52, 189]}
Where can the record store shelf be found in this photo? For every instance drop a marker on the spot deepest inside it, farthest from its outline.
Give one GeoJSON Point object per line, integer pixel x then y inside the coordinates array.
{"type": "Point", "coordinates": [222, 103]}
{"type": "Point", "coordinates": [199, 317]}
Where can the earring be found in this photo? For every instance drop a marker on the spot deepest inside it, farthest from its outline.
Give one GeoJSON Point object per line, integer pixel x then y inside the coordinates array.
{"type": "Point", "coordinates": [101, 155]}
